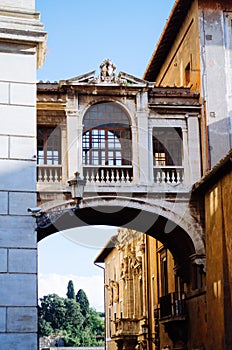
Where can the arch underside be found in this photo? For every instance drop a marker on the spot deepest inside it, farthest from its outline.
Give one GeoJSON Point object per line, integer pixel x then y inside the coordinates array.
{"type": "Point", "coordinates": [168, 232]}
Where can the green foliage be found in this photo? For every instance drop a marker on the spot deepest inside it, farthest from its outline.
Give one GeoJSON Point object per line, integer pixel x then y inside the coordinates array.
{"type": "Point", "coordinates": [53, 310]}
{"type": "Point", "coordinates": [78, 324]}
{"type": "Point", "coordinates": [45, 327]}
{"type": "Point", "coordinates": [83, 301]}
{"type": "Point", "coordinates": [70, 293]}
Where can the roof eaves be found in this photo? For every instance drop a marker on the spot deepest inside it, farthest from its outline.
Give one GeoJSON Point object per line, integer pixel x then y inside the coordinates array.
{"type": "Point", "coordinates": [217, 172]}
{"type": "Point", "coordinates": [169, 34]}
{"type": "Point", "coordinates": [110, 245]}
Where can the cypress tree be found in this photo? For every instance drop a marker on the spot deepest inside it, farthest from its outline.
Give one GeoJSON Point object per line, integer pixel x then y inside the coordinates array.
{"type": "Point", "coordinates": [82, 299]}
{"type": "Point", "coordinates": [70, 293]}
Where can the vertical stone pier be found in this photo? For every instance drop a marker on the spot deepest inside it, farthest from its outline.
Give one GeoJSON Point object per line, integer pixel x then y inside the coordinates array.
{"type": "Point", "coordinates": [22, 48]}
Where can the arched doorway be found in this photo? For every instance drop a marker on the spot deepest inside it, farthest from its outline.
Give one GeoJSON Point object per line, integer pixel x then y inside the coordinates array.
{"type": "Point", "coordinates": [173, 231]}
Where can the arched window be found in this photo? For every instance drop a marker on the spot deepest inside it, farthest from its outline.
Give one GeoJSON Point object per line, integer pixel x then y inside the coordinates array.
{"type": "Point", "coordinates": [107, 136]}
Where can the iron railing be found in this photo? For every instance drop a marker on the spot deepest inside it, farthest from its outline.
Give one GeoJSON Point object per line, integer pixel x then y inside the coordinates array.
{"type": "Point", "coordinates": [172, 305]}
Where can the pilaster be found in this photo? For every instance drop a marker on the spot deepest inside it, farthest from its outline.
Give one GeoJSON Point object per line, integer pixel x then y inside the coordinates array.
{"type": "Point", "coordinates": [194, 146]}
{"type": "Point", "coordinates": [74, 142]}
{"type": "Point", "coordinates": [143, 139]}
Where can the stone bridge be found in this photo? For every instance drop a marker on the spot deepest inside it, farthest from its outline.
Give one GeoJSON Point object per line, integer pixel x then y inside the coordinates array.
{"type": "Point", "coordinates": [172, 220]}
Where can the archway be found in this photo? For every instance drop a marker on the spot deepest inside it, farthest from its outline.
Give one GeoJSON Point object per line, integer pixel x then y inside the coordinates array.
{"type": "Point", "coordinates": [179, 232]}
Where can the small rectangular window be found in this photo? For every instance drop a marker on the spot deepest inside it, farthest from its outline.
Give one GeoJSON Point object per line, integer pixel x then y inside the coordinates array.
{"type": "Point", "coordinates": [187, 74]}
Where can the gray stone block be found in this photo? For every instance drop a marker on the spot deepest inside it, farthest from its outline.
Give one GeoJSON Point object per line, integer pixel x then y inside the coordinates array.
{"type": "Point", "coordinates": [23, 260]}
{"type": "Point", "coordinates": [11, 120]}
{"type": "Point", "coordinates": [22, 147]}
{"type": "Point", "coordinates": [14, 172]}
{"type": "Point", "coordinates": [19, 202]}
{"type": "Point", "coordinates": [18, 341]}
{"type": "Point", "coordinates": [3, 203]}
{"type": "Point", "coordinates": [4, 140]}
{"type": "Point", "coordinates": [21, 320]}
{"type": "Point", "coordinates": [3, 260]}
{"type": "Point", "coordinates": [22, 94]}
{"type": "Point", "coordinates": [20, 232]}
{"type": "Point", "coordinates": [2, 319]}
{"type": "Point", "coordinates": [18, 290]}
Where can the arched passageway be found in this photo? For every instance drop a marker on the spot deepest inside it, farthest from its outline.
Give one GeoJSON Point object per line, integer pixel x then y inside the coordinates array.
{"type": "Point", "coordinates": [181, 234]}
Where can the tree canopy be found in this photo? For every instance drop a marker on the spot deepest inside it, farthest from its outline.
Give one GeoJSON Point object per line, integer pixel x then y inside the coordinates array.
{"type": "Point", "coordinates": [79, 324]}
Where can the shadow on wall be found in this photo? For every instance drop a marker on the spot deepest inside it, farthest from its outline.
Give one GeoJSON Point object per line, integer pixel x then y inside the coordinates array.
{"type": "Point", "coordinates": [220, 138]}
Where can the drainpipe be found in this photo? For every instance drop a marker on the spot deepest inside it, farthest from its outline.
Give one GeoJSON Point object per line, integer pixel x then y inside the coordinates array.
{"type": "Point", "coordinates": [104, 298]}
{"type": "Point", "coordinates": [148, 294]}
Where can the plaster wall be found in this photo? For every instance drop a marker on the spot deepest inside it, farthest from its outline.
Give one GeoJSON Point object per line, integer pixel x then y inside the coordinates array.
{"type": "Point", "coordinates": [216, 64]}
{"type": "Point", "coordinates": [219, 265]}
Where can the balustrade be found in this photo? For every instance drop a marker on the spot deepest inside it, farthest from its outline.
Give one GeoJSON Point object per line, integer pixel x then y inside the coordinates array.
{"type": "Point", "coordinates": [172, 175]}
{"type": "Point", "coordinates": [49, 173]}
{"type": "Point", "coordinates": [167, 175]}
{"type": "Point", "coordinates": [108, 174]}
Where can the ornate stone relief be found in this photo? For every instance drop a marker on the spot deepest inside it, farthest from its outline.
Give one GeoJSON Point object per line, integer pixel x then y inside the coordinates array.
{"type": "Point", "coordinates": [113, 292]}
{"type": "Point", "coordinates": [107, 74]}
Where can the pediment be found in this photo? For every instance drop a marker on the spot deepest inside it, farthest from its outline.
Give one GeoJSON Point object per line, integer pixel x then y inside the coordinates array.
{"type": "Point", "coordinates": [83, 78]}
{"type": "Point", "coordinates": [131, 79]}
{"type": "Point", "coordinates": [107, 77]}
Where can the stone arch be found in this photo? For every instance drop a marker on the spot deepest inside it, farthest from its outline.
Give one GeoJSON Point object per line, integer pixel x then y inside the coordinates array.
{"type": "Point", "coordinates": [181, 234]}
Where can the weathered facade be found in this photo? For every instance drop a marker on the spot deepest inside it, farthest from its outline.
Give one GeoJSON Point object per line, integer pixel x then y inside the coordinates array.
{"type": "Point", "coordinates": [147, 305]}
{"type": "Point", "coordinates": [215, 190]}
{"type": "Point", "coordinates": [195, 50]}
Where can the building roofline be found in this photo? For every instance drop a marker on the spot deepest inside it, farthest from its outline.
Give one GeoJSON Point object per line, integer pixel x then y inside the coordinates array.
{"type": "Point", "coordinates": [217, 172]}
{"type": "Point", "coordinates": [168, 36]}
{"type": "Point", "coordinates": [110, 245]}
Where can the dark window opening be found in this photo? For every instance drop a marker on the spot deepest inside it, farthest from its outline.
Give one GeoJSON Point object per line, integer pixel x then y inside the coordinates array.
{"type": "Point", "coordinates": [167, 146]}
{"type": "Point", "coordinates": [164, 272]}
{"type": "Point", "coordinates": [197, 276]}
{"type": "Point", "coordinates": [48, 145]}
{"type": "Point", "coordinates": [187, 74]}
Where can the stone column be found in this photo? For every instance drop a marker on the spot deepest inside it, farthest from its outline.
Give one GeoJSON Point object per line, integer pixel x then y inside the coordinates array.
{"type": "Point", "coordinates": [72, 137]}
{"type": "Point", "coordinates": [21, 49]}
{"type": "Point", "coordinates": [135, 154]}
{"type": "Point", "coordinates": [143, 144]}
{"type": "Point", "coordinates": [64, 154]}
{"type": "Point", "coordinates": [194, 147]}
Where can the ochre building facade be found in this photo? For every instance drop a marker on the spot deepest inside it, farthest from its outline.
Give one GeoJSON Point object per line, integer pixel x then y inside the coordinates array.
{"type": "Point", "coordinates": [195, 50]}
{"type": "Point", "coordinates": [147, 305]}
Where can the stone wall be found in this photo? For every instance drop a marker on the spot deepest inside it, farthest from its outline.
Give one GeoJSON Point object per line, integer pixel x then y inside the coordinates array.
{"type": "Point", "coordinates": [18, 251]}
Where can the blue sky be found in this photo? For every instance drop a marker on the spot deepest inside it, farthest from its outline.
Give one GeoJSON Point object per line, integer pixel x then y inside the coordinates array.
{"type": "Point", "coordinates": [81, 34]}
